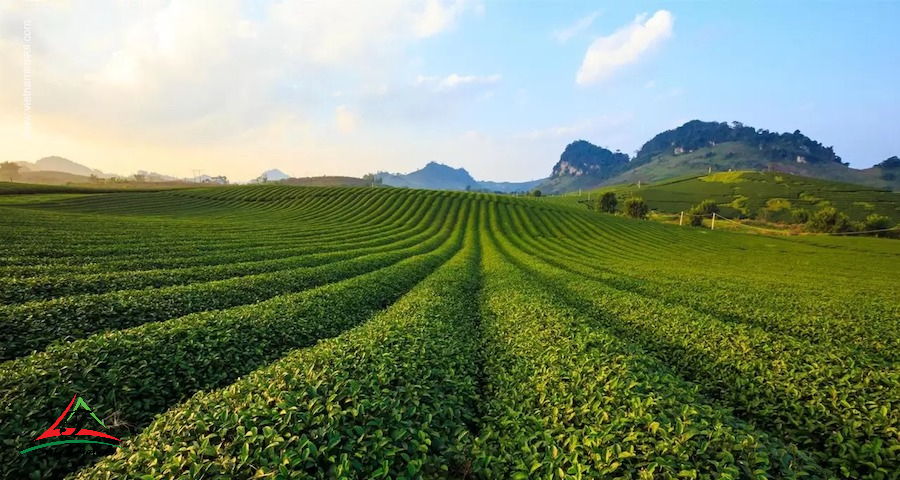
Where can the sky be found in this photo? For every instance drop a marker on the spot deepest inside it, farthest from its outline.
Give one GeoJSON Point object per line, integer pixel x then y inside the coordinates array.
{"type": "Point", "coordinates": [237, 87]}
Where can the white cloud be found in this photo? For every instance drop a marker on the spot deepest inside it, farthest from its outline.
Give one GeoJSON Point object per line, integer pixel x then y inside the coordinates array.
{"type": "Point", "coordinates": [148, 85]}
{"type": "Point", "coordinates": [454, 80]}
{"type": "Point", "coordinates": [624, 46]}
{"type": "Point", "coordinates": [475, 136]}
{"type": "Point", "coordinates": [603, 124]}
{"type": "Point", "coordinates": [672, 92]}
{"type": "Point", "coordinates": [565, 34]}
{"type": "Point", "coordinates": [344, 120]}
{"type": "Point", "coordinates": [438, 17]}
{"type": "Point", "coordinates": [426, 99]}
{"type": "Point", "coordinates": [151, 70]}
{"type": "Point", "coordinates": [340, 30]}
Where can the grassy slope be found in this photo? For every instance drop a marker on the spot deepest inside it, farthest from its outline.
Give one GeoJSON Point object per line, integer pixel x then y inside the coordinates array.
{"type": "Point", "coordinates": [723, 157]}
{"type": "Point", "coordinates": [642, 276]}
{"type": "Point", "coordinates": [746, 193]}
{"type": "Point", "coordinates": [329, 181]}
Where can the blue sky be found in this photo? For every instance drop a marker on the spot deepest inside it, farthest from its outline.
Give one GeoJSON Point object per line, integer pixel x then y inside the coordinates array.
{"type": "Point", "coordinates": [349, 87]}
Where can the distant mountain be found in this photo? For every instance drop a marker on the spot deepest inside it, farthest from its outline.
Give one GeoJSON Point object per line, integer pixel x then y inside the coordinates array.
{"type": "Point", "coordinates": [699, 147]}
{"type": "Point", "coordinates": [159, 177]}
{"type": "Point", "coordinates": [584, 158]}
{"type": "Point", "coordinates": [776, 147]}
{"type": "Point", "coordinates": [326, 181]}
{"type": "Point", "coordinates": [273, 175]}
{"type": "Point", "coordinates": [583, 164]}
{"type": "Point", "coordinates": [63, 165]}
{"type": "Point", "coordinates": [437, 176]}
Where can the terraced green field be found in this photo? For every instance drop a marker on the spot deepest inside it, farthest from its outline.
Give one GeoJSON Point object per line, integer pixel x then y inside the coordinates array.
{"type": "Point", "coordinates": [747, 194]}
{"type": "Point", "coordinates": [305, 332]}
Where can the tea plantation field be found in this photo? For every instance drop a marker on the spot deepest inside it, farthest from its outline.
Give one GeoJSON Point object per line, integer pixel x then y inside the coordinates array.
{"type": "Point", "coordinates": [772, 195]}
{"type": "Point", "coordinates": [318, 332]}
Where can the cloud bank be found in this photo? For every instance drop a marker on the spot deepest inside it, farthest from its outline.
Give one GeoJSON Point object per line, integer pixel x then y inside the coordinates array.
{"type": "Point", "coordinates": [625, 46]}
{"type": "Point", "coordinates": [563, 35]}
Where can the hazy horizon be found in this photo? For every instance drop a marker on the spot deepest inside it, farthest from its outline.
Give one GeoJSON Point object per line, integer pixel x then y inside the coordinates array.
{"type": "Point", "coordinates": [498, 88]}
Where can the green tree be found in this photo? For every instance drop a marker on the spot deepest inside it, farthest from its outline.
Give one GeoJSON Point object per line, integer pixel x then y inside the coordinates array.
{"type": "Point", "coordinates": [701, 210]}
{"type": "Point", "coordinates": [799, 215]}
{"type": "Point", "coordinates": [372, 179]}
{"type": "Point", "coordinates": [9, 171]}
{"type": "Point", "coordinates": [607, 202]}
{"type": "Point", "coordinates": [828, 220]}
{"type": "Point", "coordinates": [875, 222]}
{"type": "Point", "coordinates": [636, 207]}
{"type": "Point", "coordinates": [536, 193]}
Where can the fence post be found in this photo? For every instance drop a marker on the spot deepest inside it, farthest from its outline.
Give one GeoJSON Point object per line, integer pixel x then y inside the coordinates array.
{"type": "Point", "coordinates": [681, 218]}
{"type": "Point", "coordinates": [713, 227]}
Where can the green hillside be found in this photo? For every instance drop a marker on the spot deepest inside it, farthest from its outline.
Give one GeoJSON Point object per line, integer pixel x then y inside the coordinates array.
{"type": "Point", "coordinates": [739, 156]}
{"type": "Point", "coordinates": [17, 188]}
{"type": "Point", "coordinates": [772, 194]}
{"type": "Point", "coordinates": [273, 331]}
{"type": "Point", "coordinates": [326, 181]}
{"type": "Point", "coordinates": [697, 147]}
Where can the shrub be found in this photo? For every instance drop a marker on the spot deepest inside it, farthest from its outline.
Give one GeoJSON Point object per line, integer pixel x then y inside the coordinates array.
{"type": "Point", "coordinates": [608, 202]}
{"type": "Point", "coordinates": [828, 220]}
{"type": "Point", "coordinates": [799, 215]}
{"type": "Point", "coordinates": [702, 209]}
{"type": "Point", "coordinates": [876, 222]}
{"type": "Point", "coordinates": [636, 207]}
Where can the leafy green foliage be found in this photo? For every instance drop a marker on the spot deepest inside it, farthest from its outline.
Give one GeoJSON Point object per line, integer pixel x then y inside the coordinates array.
{"type": "Point", "coordinates": [744, 193]}
{"type": "Point", "coordinates": [828, 220]}
{"type": "Point", "coordinates": [411, 334]}
{"type": "Point", "coordinates": [608, 202]}
{"type": "Point", "coordinates": [799, 215]}
{"type": "Point", "coordinates": [142, 378]}
{"type": "Point", "coordinates": [636, 207]}
{"type": "Point", "coordinates": [582, 158]}
{"type": "Point", "coordinates": [877, 224]}
{"type": "Point", "coordinates": [702, 210]}
{"type": "Point", "coordinates": [698, 134]}
{"type": "Point", "coordinates": [890, 163]}
{"type": "Point", "coordinates": [567, 399]}
{"type": "Point", "coordinates": [392, 398]}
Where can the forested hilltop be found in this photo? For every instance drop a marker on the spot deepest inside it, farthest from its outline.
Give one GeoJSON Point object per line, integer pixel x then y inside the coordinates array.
{"type": "Point", "coordinates": [700, 147]}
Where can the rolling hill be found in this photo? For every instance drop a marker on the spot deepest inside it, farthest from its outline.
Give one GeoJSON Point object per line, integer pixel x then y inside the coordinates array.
{"type": "Point", "coordinates": [325, 181]}
{"type": "Point", "coordinates": [437, 176]}
{"type": "Point", "coordinates": [278, 331]}
{"type": "Point", "coordinates": [770, 195]}
{"type": "Point", "coordinates": [699, 147]}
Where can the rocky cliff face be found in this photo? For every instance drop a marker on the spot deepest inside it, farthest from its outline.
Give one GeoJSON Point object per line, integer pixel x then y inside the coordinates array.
{"type": "Point", "coordinates": [584, 158]}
